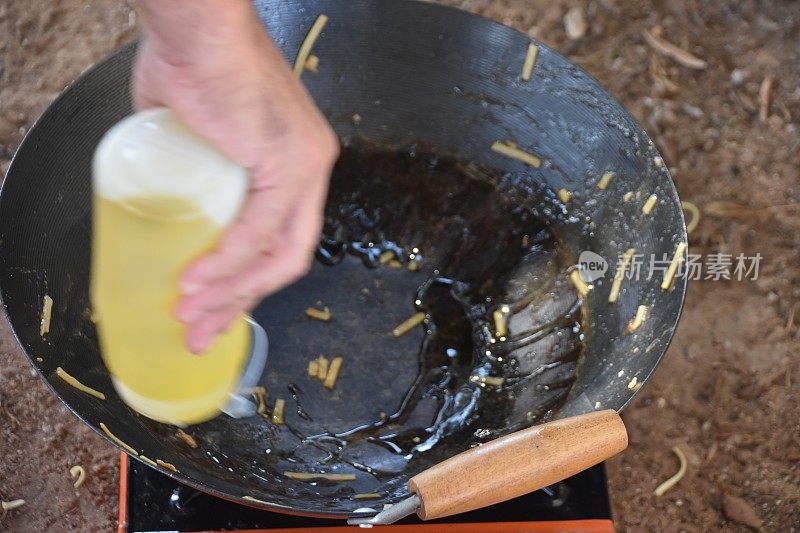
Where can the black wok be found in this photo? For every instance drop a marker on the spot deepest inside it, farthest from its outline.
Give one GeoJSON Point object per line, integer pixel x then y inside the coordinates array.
{"type": "Point", "coordinates": [418, 75]}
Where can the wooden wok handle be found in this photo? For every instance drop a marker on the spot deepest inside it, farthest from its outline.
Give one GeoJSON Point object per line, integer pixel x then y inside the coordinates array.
{"type": "Point", "coordinates": [518, 464]}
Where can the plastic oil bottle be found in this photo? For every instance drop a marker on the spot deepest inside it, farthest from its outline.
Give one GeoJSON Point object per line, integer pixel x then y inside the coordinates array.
{"type": "Point", "coordinates": [162, 197]}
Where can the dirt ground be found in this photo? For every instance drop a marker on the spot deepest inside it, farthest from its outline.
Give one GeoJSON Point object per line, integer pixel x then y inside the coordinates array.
{"type": "Point", "coordinates": [727, 394]}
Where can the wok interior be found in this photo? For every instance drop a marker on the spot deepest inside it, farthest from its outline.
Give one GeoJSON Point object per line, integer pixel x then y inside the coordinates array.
{"type": "Point", "coordinates": [440, 76]}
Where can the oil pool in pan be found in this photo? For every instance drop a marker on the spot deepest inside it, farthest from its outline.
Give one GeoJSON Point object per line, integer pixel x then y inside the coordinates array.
{"type": "Point", "coordinates": [501, 321]}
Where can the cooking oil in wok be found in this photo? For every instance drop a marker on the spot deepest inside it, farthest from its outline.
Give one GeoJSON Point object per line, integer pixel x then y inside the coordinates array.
{"type": "Point", "coordinates": [162, 196]}
{"type": "Point", "coordinates": [409, 232]}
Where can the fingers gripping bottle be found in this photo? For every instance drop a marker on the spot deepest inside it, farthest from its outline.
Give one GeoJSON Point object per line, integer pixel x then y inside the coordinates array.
{"type": "Point", "coordinates": [162, 197]}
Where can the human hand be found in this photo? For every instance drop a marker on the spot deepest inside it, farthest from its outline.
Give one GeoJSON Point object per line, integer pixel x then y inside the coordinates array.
{"type": "Point", "coordinates": [213, 64]}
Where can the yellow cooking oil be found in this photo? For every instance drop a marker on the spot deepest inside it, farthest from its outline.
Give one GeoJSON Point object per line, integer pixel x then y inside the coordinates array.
{"type": "Point", "coordinates": [162, 197]}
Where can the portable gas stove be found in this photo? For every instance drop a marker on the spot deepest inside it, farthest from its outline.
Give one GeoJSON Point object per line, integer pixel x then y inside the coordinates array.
{"type": "Point", "coordinates": [152, 502]}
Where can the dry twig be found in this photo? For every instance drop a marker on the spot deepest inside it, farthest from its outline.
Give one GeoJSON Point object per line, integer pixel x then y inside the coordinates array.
{"type": "Point", "coordinates": [765, 98]}
{"type": "Point", "coordinates": [668, 49]}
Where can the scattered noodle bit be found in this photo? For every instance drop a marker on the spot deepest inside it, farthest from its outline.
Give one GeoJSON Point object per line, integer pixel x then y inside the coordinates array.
{"type": "Point", "coordinates": [322, 368]}
{"type": "Point", "coordinates": [499, 317]}
{"type": "Point", "coordinates": [305, 476]}
{"type": "Point", "coordinates": [493, 381]}
{"type": "Point", "coordinates": [277, 411]}
{"type": "Point", "coordinates": [638, 320]}
{"type": "Point", "coordinates": [605, 180]}
{"type": "Point", "coordinates": [367, 496]}
{"type": "Point", "coordinates": [164, 464]}
{"type": "Point", "coordinates": [356, 119]}
{"type": "Point", "coordinates": [628, 196]}
{"type": "Point", "coordinates": [39, 360]}
{"type": "Point", "coordinates": [669, 275]}
{"type": "Point", "coordinates": [581, 286]}
{"type": "Point", "coordinates": [671, 482]}
{"type": "Point", "coordinates": [616, 286]}
{"type": "Point", "coordinates": [13, 504]}
{"type": "Point", "coordinates": [308, 44]}
{"type": "Point", "coordinates": [259, 393]}
{"type": "Point", "coordinates": [695, 212]}
{"type": "Point", "coordinates": [564, 195]}
{"type": "Point", "coordinates": [188, 439]}
{"type": "Point", "coordinates": [509, 149]}
{"type": "Point", "coordinates": [387, 506]}
{"type": "Point", "coordinates": [394, 264]}
{"type": "Point", "coordinates": [634, 383]}
{"type": "Point", "coordinates": [408, 325]}
{"type": "Point", "coordinates": [385, 257]}
{"type": "Point", "coordinates": [117, 440]}
{"type": "Point", "coordinates": [313, 368]}
{"type": "Point", "coordinates": [312, 64]}
{"type": "Point", "coordinates": [323, 315]}
{"type": "Point", "coordinates": [77, 471]}
{"type": "Point", "coordinates": [47, 314]}
{"type": "Point", "coordinates": [333, 373]}
{"type": "Point", "coordinates": [250, 498]}
{"type": "Point", "coordinates": [78, 385]}
{"type": "Point", "coordinates": [148, 461]}
{"type": "Point", "coordinates": [648, 206]}
{"type": "Point", "coordinates": [530, 61]}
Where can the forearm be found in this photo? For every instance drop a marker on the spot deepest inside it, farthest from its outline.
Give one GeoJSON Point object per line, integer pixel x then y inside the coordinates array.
{"type": "Point", "coordinates": [184, 28]}
{"type": "Point", "coordinates": [212, 63]}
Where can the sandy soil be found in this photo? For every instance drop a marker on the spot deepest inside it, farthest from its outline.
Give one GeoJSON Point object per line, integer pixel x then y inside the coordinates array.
{"type": "Point", "coordinates": [727, 393]}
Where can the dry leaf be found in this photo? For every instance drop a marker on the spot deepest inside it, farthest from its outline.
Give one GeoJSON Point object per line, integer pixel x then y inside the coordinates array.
{"type": "Point", "coordinates": [739, 511]}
